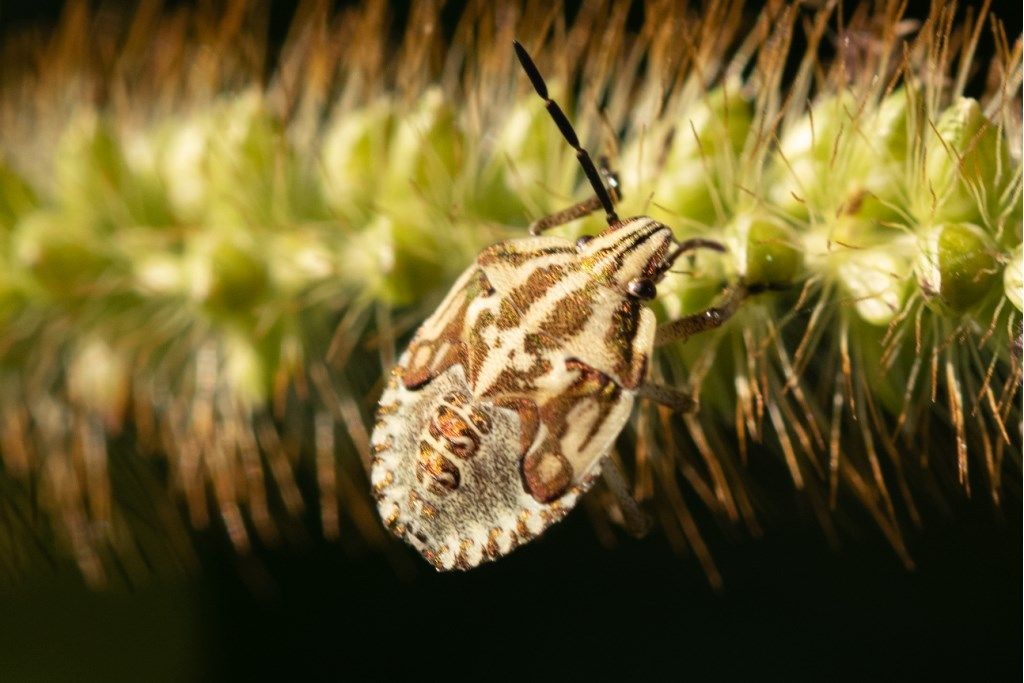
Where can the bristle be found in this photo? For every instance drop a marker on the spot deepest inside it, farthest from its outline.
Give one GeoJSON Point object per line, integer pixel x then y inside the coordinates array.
{"type": "Point", "coordinates": [210, 247]}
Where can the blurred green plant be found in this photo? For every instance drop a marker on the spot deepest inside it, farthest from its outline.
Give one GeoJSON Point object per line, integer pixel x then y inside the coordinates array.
{"type": "Point", "coordinates": [210, 248]}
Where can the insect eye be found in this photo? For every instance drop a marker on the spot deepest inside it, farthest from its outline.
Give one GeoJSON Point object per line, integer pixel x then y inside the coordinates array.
{"type": "Point", "coordinates": [582, 241]}
{"type": "Point", "coordinates": [642, 288]}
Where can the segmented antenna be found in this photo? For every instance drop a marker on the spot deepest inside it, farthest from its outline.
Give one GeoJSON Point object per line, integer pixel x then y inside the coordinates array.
{"type": "Point", "coordinates": [567, 132]}
{"type": "Point", "coordinates": [691, 244]}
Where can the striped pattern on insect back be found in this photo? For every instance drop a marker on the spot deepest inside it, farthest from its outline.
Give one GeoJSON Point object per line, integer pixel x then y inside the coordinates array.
{"type": "Point", "coordinates": [631, 366]}
{"type": "Point", "coordinates": [636, 247]}
{"type": "Point", "coordinates": [439, 343]}
{"type": "Point", "coordinates": [549, 306]}
{"type": "Point", "coordinates": [515, 340]}
{"type": "Point", "coordinates": [511, 392]}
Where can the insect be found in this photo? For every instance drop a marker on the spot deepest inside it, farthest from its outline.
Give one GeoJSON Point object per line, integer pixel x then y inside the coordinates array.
{"type": "Point", "coordinates": [510, 396]}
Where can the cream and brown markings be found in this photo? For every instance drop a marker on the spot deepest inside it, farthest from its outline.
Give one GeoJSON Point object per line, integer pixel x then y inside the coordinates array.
{"type": "Point", "coordinates": [509, 395]}
{"type": "Point", "coordinates": [504, 403]}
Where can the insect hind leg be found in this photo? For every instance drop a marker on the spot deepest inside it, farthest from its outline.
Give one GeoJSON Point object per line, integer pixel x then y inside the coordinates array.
{"type": "Point", "coordinates": [677, 401]}
{"type": "Point", "coordinates": [637, 522]}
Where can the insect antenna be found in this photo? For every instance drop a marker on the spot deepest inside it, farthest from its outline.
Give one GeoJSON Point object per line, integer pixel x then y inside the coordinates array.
{"type": "Point", "coordinates": [567, 132]}
{"type": "Point", "coordinates": [692, 244]}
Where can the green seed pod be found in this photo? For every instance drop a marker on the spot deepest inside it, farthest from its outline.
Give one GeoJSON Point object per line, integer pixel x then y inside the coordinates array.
{"type": "Point", "coordinates": [805, 158]}
{"type": "Point", "coordinates": [769, 252]}
{"type": "Point", "coordinates": [62, 258]}
{"type": "Point", "coordinates": [160, 273]}
{"type": "Point", "coordinates": [181, 166]}
{"type": "Point", "coordinates": [426, 152]}
{"type": "Point", "coordinates": [711, 132]}
{"type": "Point", "coordinates": [240, 161]}
{"type": "Point", "coordinates": [828, 166]}
{"type": "Point", "coordinates": [391, 261]}
{"type": "Point", "coordinates": [12, 299]}
{"type": "Point", "coordinates": [887, 127]}
{"type": "Point", "coordinates": [230, 277]}
{"type": "Point", "coordinates": [107, 174]}
{"type": "Point", "coordinates": [874, 280]}
{"type": "Point", "coordinates": [1013, 279]}
{"type": "Point", "coordinates": [300, 259]}
{"type": "Point", "coordinates": [957, 265]}
{"type": "Point", "coordinates": [684, 188]}
{"type": "Point", "coordinates": [245, 371]}
{"type": "Point", "coordinates": [847, 231]}
{"type": "Point", "coordinates": [158, 266]}
{"type": "Point", "coordinates": [694, 284]}
{"type": "Point", "coordinates": [522, 164]}
{"type": "Point", "coordinates": [354, 147]}
{"type": "Point", "coordinates": [878, 151]}
{"type": "Point", "coordinates": [527, 135]}
{"type": "Point", "coordinates": [144, 192]}
{"type": "Point", "coordinates": [965, 154]}
{"type": "Point", "coordinates": [98, 379]}
{"type": "Point", "coordinates": [722, 119]}
{"type": "Point", "coordinates": [716, 124]}
{"type": "Point", "coordinates": [16, 196]}
{"type": "Point", "coordinates": [90, 169]}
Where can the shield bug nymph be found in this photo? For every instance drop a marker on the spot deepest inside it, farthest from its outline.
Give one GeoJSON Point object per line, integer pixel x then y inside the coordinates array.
{"type": "Point", "coordinates": [511, 394]}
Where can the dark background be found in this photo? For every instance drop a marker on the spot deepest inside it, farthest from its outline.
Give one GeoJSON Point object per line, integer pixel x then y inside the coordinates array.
{"type": "Point", "coordinates": [792, 607]}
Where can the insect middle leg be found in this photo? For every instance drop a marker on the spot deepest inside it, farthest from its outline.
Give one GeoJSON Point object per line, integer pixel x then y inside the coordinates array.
{"type": "Point", "coordinates": [708, 319]}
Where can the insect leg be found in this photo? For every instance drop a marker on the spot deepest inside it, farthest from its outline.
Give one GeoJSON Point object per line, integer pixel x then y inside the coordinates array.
{"type": "Point", "coordinates": [567, 132]}
{"type": "Point", "coordinates": [580, 209]}
{"type": "Point", "coordinates": [678, 401]}
{"type": "Point", "coordinates": [637, 523]}
{"type": "Point", "coordinates": [709, 319]}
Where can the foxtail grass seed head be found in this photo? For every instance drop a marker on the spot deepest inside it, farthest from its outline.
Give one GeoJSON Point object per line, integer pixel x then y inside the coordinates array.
{"type": "Point", "coordinates": [211, 249]}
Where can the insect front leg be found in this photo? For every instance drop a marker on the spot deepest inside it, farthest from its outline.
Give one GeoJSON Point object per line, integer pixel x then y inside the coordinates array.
{"type": "Point", "coordinates": [709, 319]}
{"type": "Point", "coordinates": [583, 208]}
